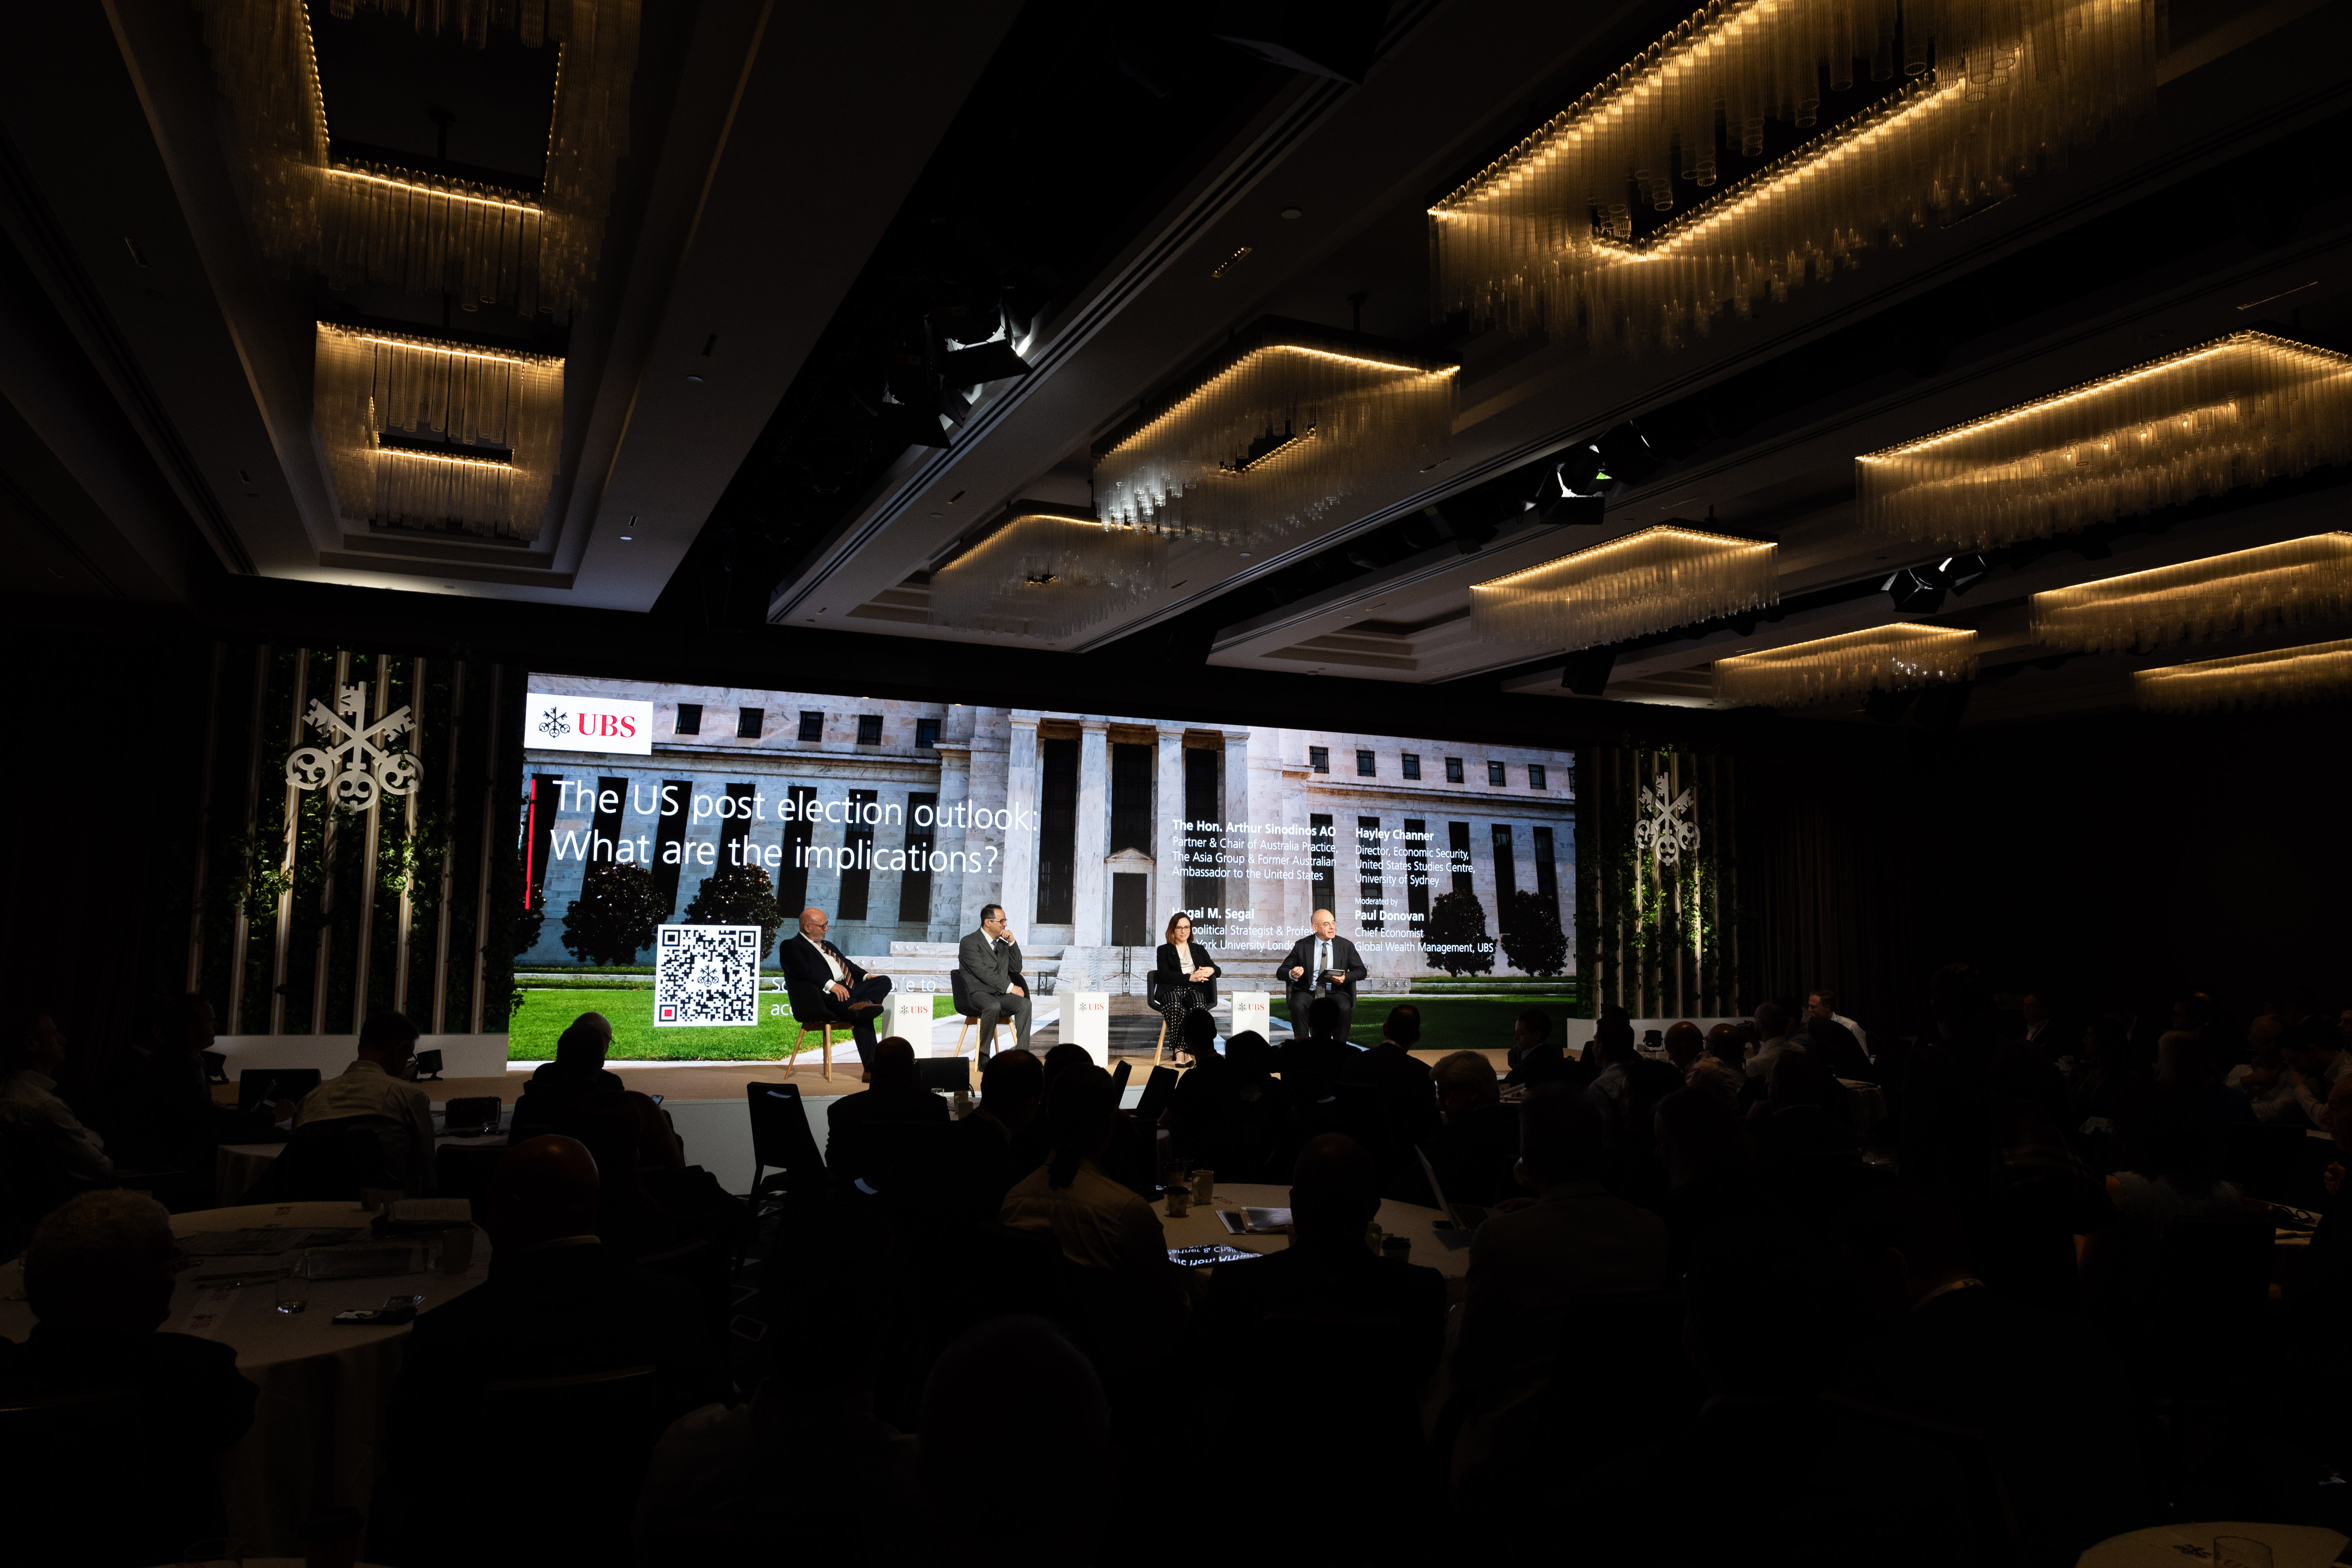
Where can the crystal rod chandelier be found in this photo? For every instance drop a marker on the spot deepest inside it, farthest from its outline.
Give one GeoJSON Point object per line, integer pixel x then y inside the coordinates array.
{"type": "Point", "coordinates": [1268, 439]}
{"type": "Point", "coordinates": [1881, 658]}
{"type": "Point", "coordinates": [2299, 583]}
{"type": "Point", "coordinates": [2238, 411]}
{"type": "Point", "coordinates": [1543, 239]}
{"type": "Point", "coordinates": [1666, 575]}
{"type": "Point", "coordinates": [2273, 680]}
{"type": "Point", "coordinates": [421, 433]}
{"type": "Point", "coordinates": [1046, 574]}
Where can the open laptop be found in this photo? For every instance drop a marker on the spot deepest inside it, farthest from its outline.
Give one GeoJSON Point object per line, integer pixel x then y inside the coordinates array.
{"type": "Point", "coordinates": [1466, 1217]}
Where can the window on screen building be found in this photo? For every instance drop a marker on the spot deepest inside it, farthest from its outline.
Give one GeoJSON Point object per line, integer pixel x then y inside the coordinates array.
{"type": "Point", "coordinates": [690, 719]}
{"type": "Point", "coordinates": [1411, 764]}
{"type": "Point", "coordinates": [1453, 770]}
{"type": "Point", "coordinates": [1324, 879]}
{"type": "Point", "coordinates": [927, 734]}
{"type": "Point", "coordinates": [1319, 759]}
{"type": "Point", "coordinates": [1495, 774]}
{"type": "Point", "coordinates": [748, 721]}
{"type": "Point", "coordinates": [1366, 766]}
{"type": "Point", "coordinates": [812, 726]}
{"type": "Point", "coordinates": [869, 729]}
{"type": "Point", "coordinates": [1536, 776]}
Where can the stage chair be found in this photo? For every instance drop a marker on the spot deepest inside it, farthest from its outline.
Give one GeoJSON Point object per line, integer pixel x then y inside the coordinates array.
{"type": "Point", "coordinates": [1157, 1090]}
{"type": "Point", "coordinates": [1120, 1074]}
{"type": "Point", "coordinates": [1151, 1000]}
{"type": "Point", "coordinates": [823, 1028]}
{"type": "Point", "coordinates": [966, 1008]}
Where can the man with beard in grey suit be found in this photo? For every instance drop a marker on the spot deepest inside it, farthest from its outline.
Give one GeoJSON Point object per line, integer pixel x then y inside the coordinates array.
{"type": "Point", "coordinates": [991, 961]}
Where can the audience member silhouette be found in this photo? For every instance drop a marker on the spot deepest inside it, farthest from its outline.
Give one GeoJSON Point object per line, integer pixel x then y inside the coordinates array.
{"type": "Point", "coordinates": [60, 1153]}
{"type": "Point", "coordinates": [1535, 1057]}
{"type": "Point", "coordinates": [576, 1076]}
{"type": "Point", "coordinates": [1711, 1179]}
{"type": "Point", "coordinates": [2054, 1406]}
{"type": "Point", "coordinates": [374, 1087]}
{"type": "Point", "coordinates": [1576, 1242]}
{"type": "Point", "coordinates": [1013, 1390]}
{"type": "Point", "coordinates": [858, 1143]}
{"type": "Point", "coordinates": [1322, 1337]}
{"type": "Point", "coordinates": [1476, 1149]}
{"type": "Point", "coordinates": [98, 1274]}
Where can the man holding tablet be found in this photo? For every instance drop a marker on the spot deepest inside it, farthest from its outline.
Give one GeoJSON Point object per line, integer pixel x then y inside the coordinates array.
{"type": "Point", "coordinates": [1323, 965]}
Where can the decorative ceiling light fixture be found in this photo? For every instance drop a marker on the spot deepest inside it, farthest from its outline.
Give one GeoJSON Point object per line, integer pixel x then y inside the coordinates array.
{"type": "Point", "coordinates": [2273, 680]}
{"type": "Point", "coordinates": [1664, 576]}
{"type": "Point", "coordinates": [1044, 573]}
{"type": "Point", "coordinates": [1542, 240]}
{"type": "Point", "coordinates": [321, 206]}
{"type": "Point", "coordinates": [1264, 441]}
{"type": "Point", "coordinates": [2298, 583]}
{"type": "Point", "coordinates": [1882, 658]}
{"type": "Point", "coordinates": [2238, 411]}
{"type": "Point", "coordinates": [423, 434]}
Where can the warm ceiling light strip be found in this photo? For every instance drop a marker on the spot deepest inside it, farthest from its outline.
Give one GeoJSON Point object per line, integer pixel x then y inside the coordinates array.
{"type": "Point", "coordinates": [2298, 583]}
{"type": "Point", "coordinates": [2238, 411]}
{"type": "Point", "coordinates": [1269, 443]}
{"type": "Point", "coordinates": [1045, 574]}
{"type": "Point", "coordinates": [1542, 239]}
{"type": "Point", "coordinates": [420, 232]}
{"type": "Point", "coordinates": [1883, 659]}
{"type": "Point", "coordinates": [2273, 680]}
{"type": "Point", "coordinates": [1664, 576]}
{"type": "Point", "coordinates": [369, 382]}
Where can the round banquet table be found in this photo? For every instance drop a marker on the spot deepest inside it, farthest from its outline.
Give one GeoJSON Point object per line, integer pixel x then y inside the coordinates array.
{"type": "Point", "coordinates": [1202, 1228]}
{"type": "Point", "coordinates": [2173, 1545]}
{"type": "Point", "coordinates": [325, 1387]}
{"type": "Point", "coordinates": [238, 1166]}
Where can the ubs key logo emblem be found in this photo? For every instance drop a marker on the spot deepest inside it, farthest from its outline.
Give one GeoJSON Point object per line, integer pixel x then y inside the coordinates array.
{"type": "Point", "coordinates": [553, 724]}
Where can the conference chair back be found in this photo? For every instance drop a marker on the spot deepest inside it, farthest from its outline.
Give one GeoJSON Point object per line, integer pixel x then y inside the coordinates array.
{"type": "Point", "coordinates": [1120, 1075]}
{"type": "Point", "coordinates": [1990, 1524]}
{"type": "Point", "coordinates": [1157, 1090]}
{"type": "Point", "coordinates": [960, 989]}
{"type": "Point", "coordinates": [330, 1161]}
{"type": "Point", "coordinates": [258, 1085]}
{"type": "Point", "coordinates": [781, 1139]}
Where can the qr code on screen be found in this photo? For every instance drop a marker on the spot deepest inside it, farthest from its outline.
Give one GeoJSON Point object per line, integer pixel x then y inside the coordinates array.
{"type": "Point", "coordinates": [707, 976]}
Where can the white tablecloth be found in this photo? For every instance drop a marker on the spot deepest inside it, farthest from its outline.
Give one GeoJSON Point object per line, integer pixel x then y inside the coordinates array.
{"type": "Point", "coordinates": [325, 1388]}
{"type": "Point", "coordinates": [1203, 1228]}
{"type": "Point", "coordinates": [2191, 1546]}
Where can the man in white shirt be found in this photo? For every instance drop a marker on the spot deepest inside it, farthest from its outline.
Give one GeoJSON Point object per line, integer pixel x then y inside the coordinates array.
{"type": "Point", "coordinates": [2037, 1017]}
{"type": "Point", "coordinates": [29, 1098]}
{"type": "Point", "coordinates": [1823, 1003]}
{"type": "Point", "coordinates": [374, 1085]}
{"type": "Point", "coordinates": [824, 985]}
{"type": "Point", "coordinates": [2316, 1052]}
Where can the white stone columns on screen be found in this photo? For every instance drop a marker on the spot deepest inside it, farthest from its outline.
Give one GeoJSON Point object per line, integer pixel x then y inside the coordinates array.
{"type": "Point", "coordinates": [985, 792]}
{"type": "Point", "coordinates": [1090, 909]}
{"type": "Point", "coordinates": [1019, 862]}
{"type": "Point", "coordinates": [1233, 836]}
{"type": "Point", "coordinates": [1168, 824]}
{"type": "Point", "coordinates": [1268, 890]}
{"type": "Point", "coordinates": [947, 839]}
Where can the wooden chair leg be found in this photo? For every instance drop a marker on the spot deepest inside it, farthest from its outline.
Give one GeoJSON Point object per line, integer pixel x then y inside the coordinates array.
{"type": "Point", "coordinates": [961, 1033]}
{"type": "Point", "coordinates": [828, 1053]}
{"type": "Point", "coordinates": [1160, 1041]}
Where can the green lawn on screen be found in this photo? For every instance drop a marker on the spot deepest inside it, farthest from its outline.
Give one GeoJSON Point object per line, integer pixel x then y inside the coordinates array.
{"type": "Point", "coordinates": [547, 1012]}
{"type": "Point", "coordinates": [1451, 1023]}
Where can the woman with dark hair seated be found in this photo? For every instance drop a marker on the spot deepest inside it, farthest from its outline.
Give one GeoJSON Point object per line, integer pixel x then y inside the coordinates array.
{"type": "Point", "coordinates": [1187, 975]}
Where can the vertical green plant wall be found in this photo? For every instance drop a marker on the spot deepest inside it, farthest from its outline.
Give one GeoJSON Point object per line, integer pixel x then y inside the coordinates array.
{"type": "Point", "coordinates": [1657, 927]}
{"type": "Point", "coordinates": [312, 913]}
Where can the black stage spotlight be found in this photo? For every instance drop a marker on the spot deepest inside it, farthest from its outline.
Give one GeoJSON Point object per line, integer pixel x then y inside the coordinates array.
{"type": "Point", "coordinates": [1580, 473]}
{"type": "Point", "coordinates": [1962, 573]}
{"type": "Point", "coordinates": [1628, 456]}
{"type": "Point", "coordinates": [1586, 673]}
{"type": "Point", "coordinates": [981, 363]}
{"type": "Point", "coordinates": [1916, 588]}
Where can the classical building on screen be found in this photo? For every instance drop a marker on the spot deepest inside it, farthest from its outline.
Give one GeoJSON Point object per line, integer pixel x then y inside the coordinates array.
{"type": "Point", "coordinates": [902, 819]}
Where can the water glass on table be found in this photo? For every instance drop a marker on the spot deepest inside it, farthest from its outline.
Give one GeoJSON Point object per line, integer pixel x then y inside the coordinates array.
{"type": "Point", "coordinates": [294, 1285]}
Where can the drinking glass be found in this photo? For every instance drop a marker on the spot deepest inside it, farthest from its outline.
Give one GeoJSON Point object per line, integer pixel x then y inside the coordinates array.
{"type": "Point", "coordinates": [294, 1285]}
{"type": "Point", "coordinates": [2240, 1552]}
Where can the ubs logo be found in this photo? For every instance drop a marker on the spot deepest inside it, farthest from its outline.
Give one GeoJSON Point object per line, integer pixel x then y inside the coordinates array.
{"type": "Point", "coordinates": [553, 724]}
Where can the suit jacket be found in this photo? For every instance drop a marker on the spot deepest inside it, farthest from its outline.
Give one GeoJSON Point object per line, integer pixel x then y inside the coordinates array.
{"type": "Point", "coordinates": [989, 971]}
{"type": "Point", "coordinates": [1171, 974]}
{"type": "Point", "coordinates": [848, 1118]}
{"type": "Point", "coordinates": [807, 976]}
{"type": "Point", "coordinates": [1302, 956]}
